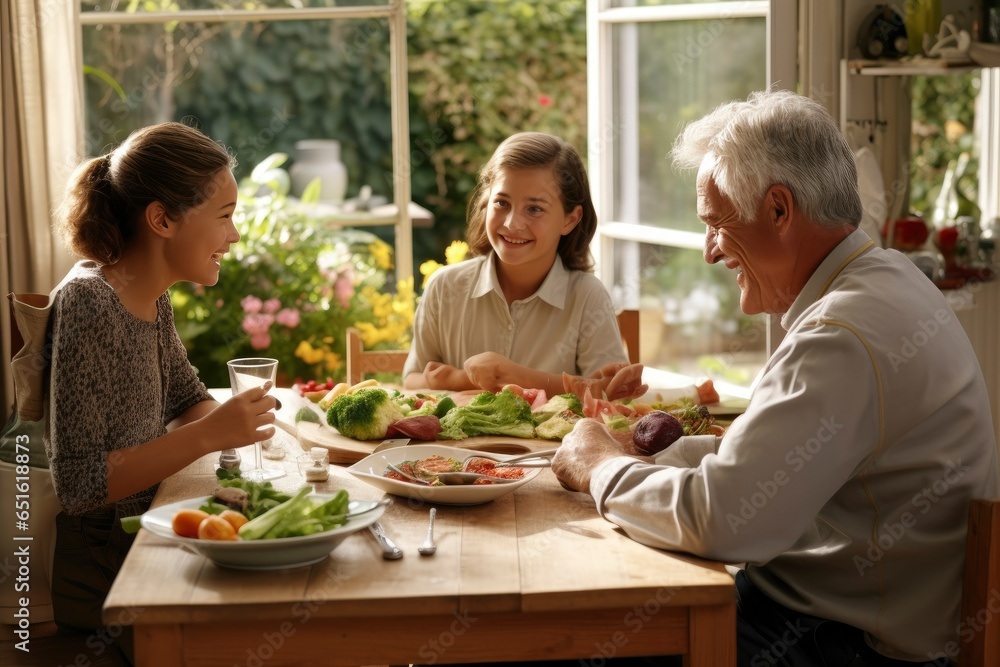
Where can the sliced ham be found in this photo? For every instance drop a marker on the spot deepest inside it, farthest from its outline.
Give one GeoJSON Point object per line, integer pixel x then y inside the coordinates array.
{"type": "Point", "coordinates": [425, 427]}
{"type": "Point", "coordinates": [595, 407]}
{"type": "Point", "coordinates": [707, 393]}
{"type": "Point", "coordinates": [535, 397]}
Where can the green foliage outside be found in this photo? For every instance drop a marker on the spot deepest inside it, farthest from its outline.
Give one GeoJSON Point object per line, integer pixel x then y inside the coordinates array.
{"type": "Point", "coordinates": [289, 289]}
{"type": "Point", "coordinates": [479, 70]}
{"type": "Point", "coordinates": [943, 112]}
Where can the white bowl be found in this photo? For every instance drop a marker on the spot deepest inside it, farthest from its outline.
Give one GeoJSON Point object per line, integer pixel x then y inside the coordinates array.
{"type": "Point", "coordinates": [273, 554]}
{"type": "Point", "coordinates": [372, 469]}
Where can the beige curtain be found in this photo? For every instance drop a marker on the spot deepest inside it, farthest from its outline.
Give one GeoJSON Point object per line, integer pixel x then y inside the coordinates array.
{"type": "Point", "coordinates": [41, 140]}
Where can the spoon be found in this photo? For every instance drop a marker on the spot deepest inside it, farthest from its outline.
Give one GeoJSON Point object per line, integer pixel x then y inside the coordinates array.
{"type": "Point", "coordinates": [384, 502]}
{"type": "Point", "coordinates": [428, 548]}
{"type": "Point", "coordinates": [389, 549]}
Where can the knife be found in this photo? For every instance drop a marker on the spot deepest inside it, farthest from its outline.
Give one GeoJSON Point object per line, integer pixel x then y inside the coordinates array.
{"type": "Point", "coordinates": [389, 549]}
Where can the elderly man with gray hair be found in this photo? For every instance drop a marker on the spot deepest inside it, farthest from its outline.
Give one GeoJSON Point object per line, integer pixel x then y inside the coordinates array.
{"type": "Point", "coordinates": [845, 485]}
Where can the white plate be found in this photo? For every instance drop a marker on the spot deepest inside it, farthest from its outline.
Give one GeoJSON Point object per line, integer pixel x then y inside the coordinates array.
{"type": "Point", "coordinates": [261, 554]}
{"type": "Point", "coordinates": [371, 469]}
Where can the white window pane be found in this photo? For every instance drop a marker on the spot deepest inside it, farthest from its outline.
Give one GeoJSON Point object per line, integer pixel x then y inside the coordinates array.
{"type": "Point", "coordinates": [690, 317]}
{"type": "Point", "coordinates": [682, 70]}
{"type": "Point", "coordinates": [653, 3]}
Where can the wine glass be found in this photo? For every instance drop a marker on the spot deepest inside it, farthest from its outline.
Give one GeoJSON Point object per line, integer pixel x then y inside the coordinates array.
{"type": "Point", "coordinates": [246, 374]}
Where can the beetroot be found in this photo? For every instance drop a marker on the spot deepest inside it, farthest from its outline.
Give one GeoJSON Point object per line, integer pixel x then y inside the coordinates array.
{"type": "Point", "coordinates": [655, 432]}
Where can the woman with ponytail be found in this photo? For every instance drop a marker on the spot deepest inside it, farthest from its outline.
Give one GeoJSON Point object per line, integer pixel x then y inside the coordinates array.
{"type": "Point", "coordinates": [126, 408]}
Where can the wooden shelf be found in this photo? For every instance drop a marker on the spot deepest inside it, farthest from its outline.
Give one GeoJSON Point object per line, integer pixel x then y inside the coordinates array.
{"type": "Point", "coordinates": [910, 67]}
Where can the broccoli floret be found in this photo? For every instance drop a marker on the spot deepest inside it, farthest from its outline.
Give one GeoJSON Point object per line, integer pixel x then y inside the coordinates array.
{"type": "Point", "coordinates": [505, 413]}
{"type": "Point", "coordinates": [557, 426]}
{"type": "Point", "coordinates": [363, 415]}
{"type": "Point", "coordinates": [404, 401]}
{"type": "Point", "coordinates": [556, 404]}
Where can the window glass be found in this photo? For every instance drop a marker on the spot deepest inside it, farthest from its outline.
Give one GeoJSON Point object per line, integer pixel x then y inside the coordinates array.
{"type": "Point", "coordinates": [944, 127]}
{"type": "Point", "coordinates": [690, 317]}
{"type": "Point", "coordinates": [257, 87]}
{"type": "Point", "coordinates": [708, 62]}
{"type": "Point", "coordinates": [667, 74]}
{"type": "Point", "coordinates": [129, 6]}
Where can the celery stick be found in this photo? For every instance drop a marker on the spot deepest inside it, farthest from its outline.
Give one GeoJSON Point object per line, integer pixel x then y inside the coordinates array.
{"type": "Point", "coordinates": [257, 528]}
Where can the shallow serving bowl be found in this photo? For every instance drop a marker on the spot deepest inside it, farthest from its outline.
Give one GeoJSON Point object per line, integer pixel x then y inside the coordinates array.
{"type": "Point", "coordinates": [262, 554]}
{"type": "Point", "coordinates": [371, 469]}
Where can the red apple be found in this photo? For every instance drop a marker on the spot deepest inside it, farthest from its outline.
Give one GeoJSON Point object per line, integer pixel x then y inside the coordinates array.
{"type": "Point", "coordinates": [909, 233]}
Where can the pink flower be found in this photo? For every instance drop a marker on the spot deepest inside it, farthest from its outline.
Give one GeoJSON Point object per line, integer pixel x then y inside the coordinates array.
{"type": "Point", "coordinates": [545, 100]}
{"type": "Point", "coordinates": [260, 341]}
{"type": "Point", "coordinates": [257, 324]}
{"type": "Point", "coordinates": [272, 305]}
{"type": "Point", "coordinates": [219, 303]}
{"type": "Point", "coordinates": [344, 289]}
{"type": "Point", "coordinates": [288, 317]}
{"type": "Point", "coordinates": [251, 304]}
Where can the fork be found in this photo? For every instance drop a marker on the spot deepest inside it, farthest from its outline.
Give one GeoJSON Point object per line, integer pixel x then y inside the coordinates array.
{"type": "Point", "coordinates": [544, 456]}
{"type": "Point", "coordinates": [450, 478]}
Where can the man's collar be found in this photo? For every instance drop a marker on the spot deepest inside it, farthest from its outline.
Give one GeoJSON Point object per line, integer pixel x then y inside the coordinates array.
{"type": "Point", "coordinates": [855, 245]}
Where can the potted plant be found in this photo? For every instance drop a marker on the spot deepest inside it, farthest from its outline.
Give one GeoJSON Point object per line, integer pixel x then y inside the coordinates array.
{"type": "Point", "coordinates": [290, 288]}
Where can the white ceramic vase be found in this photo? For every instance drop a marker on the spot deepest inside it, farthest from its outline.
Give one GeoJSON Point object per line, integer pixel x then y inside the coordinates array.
{"type": "Point", "coordinates": [319, 158]}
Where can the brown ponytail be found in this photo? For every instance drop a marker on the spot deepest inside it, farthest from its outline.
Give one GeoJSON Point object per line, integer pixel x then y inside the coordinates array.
{"type": "Point", "coordinates": [170, 163]}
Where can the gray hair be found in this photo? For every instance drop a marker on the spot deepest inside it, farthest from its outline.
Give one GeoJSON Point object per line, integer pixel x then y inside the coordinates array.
{"type": "Point", "coordinates": [776, 137]}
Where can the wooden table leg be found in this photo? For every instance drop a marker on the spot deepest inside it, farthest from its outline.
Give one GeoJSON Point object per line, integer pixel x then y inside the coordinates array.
{"type": "Point", "coordinates": [712, 636]}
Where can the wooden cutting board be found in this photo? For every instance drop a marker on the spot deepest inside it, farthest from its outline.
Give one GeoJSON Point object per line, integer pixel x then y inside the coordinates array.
{"type": "Point", "coordinates": [347, 450]}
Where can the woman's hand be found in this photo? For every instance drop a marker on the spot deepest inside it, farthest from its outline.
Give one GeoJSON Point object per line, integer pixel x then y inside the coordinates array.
{"type": "Point", "coordinates": [613, 382]}
{"type": "Point", "coordinates": [243, 419]}
{"type": "Point", "coordinates": [583, 449]}
{"type": "Point", "coordinates": [445, 377]}
{"type": "Point", "coordinates": [491, 371]}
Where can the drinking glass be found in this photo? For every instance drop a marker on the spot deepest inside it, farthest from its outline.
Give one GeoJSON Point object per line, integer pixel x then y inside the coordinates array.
{"type": "Point", "coordinates": [246, 374]}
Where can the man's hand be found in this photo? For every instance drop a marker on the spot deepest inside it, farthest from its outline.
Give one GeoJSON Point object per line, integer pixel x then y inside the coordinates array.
{"type": "Point", "coordinates": [585, 448]}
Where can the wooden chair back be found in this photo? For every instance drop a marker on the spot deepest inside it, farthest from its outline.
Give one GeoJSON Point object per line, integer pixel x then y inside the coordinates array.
{"type": "Point", "coordinates": [628, 326]}
{"type": "Point", "coordinates": [980, 647]}
{"type": "Point", "coordinates": [361, 362]}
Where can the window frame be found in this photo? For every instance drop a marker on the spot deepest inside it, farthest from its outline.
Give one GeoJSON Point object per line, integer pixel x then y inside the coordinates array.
{"type": "Point", "coordinates": [781, 20]}
{"type": "Point", "coordinates": [394, 12]}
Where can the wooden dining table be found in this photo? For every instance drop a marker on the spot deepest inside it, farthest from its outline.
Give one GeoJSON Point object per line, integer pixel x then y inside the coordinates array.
{"type": "Point", "coordinates": [534, 575]}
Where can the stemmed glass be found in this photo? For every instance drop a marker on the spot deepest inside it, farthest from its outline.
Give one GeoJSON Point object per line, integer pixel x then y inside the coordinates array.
{"type": "Point", "coordinates": [246, 374]}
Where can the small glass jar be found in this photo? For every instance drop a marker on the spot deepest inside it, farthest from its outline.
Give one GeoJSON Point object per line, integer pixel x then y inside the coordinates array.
{"type": "Point", "coordinates": [315, 466]}
{"type": "Point", "coordinates": [229, 460]}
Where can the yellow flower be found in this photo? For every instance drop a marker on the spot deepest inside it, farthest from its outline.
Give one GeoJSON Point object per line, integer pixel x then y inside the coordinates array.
{"type": "Point", "coordinates": [308, 353]}
{"type": "Point", "coordinates": [456, 252]}
{"type": "Point", "coordinates": [382, 254]}
{"type": "Point", "coordinates": [427, 269]}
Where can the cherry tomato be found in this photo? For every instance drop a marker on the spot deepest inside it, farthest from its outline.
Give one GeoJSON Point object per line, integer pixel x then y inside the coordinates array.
{"type": "Point", "coordinates": [186, 522]}
{"type": "Point", "coordinates": [214, 527]}
{"type": "Point", "coordinates": [235, 519]}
